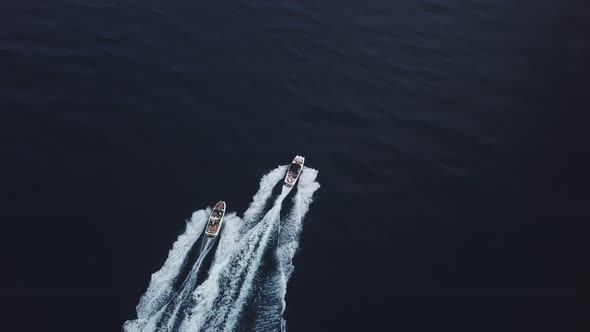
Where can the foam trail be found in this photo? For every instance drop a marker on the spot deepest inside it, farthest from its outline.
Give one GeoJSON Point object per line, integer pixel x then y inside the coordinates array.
{"type": "Point", "coordinates": [255, 210]}
{"type": "Point", "coordinates": [206, 294]}
{"type": "Point", "coordinates": [171, 310]}
{"type": "Point", "coordinates": [272, 286]}
{"type": "Point", "coordinates": [160, 289]}
{"type": "Point", "coordinates": [234, 282]}
{"type": "Point", "coordinates": [221, 297]}
{"type": "Point", "coordinates": [289, 237]}
{"type": "Point", "coordinates": [229, 237]}
{"type": "Point", "coordinates": [272, 220]}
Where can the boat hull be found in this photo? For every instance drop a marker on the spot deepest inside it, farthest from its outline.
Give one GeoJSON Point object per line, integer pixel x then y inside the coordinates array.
{"type": "Point", "coordinates": [215, 220]}
{"type": "Point", "coordinates": [294, 171]}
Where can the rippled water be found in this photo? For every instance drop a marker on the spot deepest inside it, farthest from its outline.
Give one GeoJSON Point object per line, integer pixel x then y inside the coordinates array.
{"type": "Point", "coordinates": [450, 137]}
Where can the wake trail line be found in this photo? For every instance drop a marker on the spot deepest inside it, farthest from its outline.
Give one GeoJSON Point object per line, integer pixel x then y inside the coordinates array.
{"type": "Point", "coordinates": [234, 281]}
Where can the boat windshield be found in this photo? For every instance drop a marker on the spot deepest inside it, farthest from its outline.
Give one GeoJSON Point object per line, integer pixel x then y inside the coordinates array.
{"type": "Point", "coordinates": [295, 168]}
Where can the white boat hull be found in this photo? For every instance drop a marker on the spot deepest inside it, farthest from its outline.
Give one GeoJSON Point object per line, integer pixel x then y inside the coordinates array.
{"type": "Point", "coordinates": [294, 171]}
{"type": "Point", "coordinates": [215, 220]}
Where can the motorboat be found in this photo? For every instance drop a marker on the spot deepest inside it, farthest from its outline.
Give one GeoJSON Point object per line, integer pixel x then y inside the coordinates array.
{"type": "Point", "coordinates": [215, 220]}
{"type": "Point", "coordinates": [294, 171]}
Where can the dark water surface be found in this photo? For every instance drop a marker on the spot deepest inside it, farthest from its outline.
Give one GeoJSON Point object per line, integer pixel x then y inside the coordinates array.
{"type": "Point", "coordinates": [450, 137]}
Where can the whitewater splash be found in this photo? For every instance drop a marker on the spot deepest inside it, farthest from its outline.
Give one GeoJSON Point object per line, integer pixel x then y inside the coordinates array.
{"type": "Point", "coordinates": [248, 274]}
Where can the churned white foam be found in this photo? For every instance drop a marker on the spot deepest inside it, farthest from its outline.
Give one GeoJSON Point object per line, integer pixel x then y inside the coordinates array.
{"type": "Point", "coordinates": [218, 303]}
{"type": "Point", "coordinates": [292, 226]}
{"type": "Point", "coordinates": [256, 209]}
{"type": "Point", "coordinates": [221, 297]}
{"type": "Point", "coordinates": [160, 289]}
{"type": "Point", "coordinates": [270, 222]}
{"type": "Point", "coordinates": [269, 303]}
{"type": "Point", "coordinates": [229, 236]}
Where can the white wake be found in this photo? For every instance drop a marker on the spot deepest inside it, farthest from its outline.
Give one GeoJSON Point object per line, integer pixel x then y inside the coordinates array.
{"type": "Point", "coordinates": [261, 241]}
